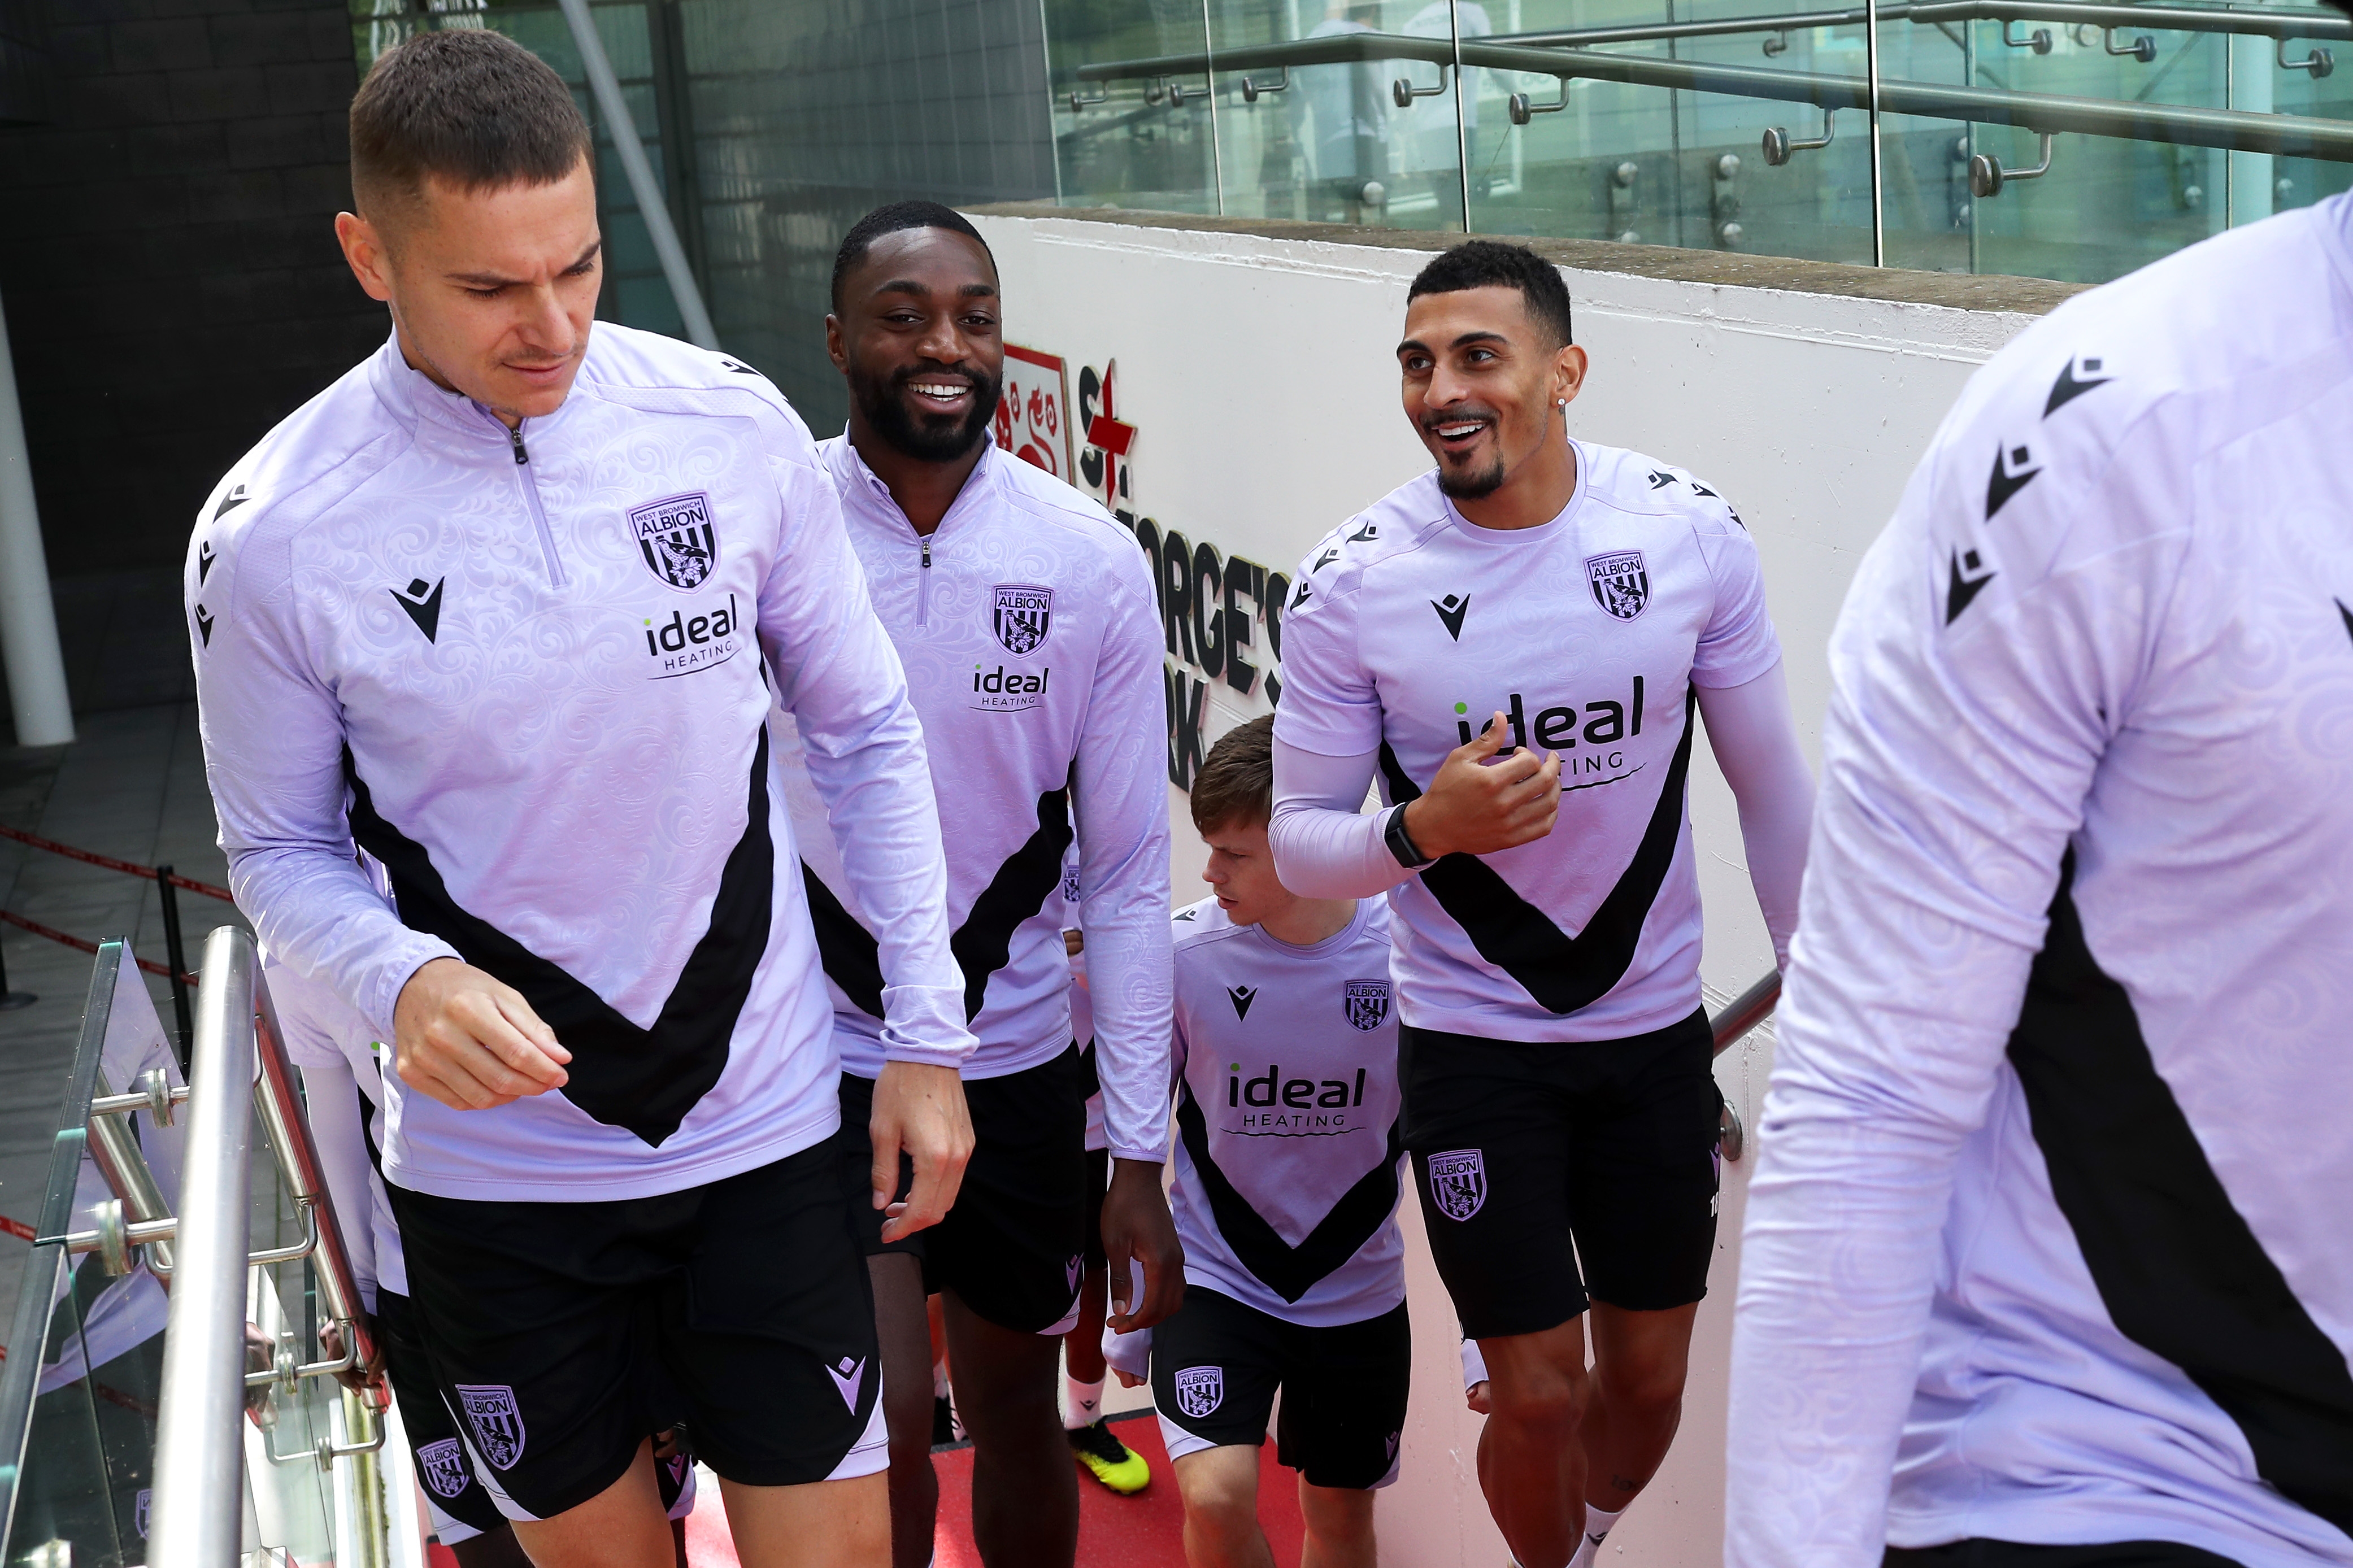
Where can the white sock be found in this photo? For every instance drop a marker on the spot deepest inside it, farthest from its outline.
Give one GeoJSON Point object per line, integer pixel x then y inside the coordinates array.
{"type": "Point", "coordinates": [1598, 1521]}
{"type": "Point", "coordinates": [939, 1380]}
{"type": "Point", "coordinates": [1082, 1402]}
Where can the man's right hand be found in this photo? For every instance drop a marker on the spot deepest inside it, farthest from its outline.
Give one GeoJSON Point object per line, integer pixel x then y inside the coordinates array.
{"type": "Point", "coordinates": [919, 1107]}
{"type": "Point", "coordinates": [1477, 806]}
{"type": "Point", "coordinates": [470, 1041]}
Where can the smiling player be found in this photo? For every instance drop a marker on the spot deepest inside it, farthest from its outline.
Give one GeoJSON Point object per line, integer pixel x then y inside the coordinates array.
{"type": "Point", "coordinates": [1025, 617]}
{"type": "Point", "coordinates": [433, 615]}
{"type": "Point", "coordinates": [1558, 1100]}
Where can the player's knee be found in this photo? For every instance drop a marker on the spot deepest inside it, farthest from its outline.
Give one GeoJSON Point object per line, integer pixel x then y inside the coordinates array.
{"type": "Point", "coordinates": [1225, 1517]}
{"type": "Point", "coordinates": [1653, 1386]}
{"type": "Point", "coordinates": [1339, 1517]}
{"type": "Point", "coordinates": [1541, 1395]}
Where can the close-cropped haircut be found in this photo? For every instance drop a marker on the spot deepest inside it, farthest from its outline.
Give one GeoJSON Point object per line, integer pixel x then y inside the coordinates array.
{"type": "Point", "coordinates": [1487, 264]}
{"type": "Point", "coordinates": [470, 108]}
{"type": "Point", "coordinates": [1236, 780]}
{"type": "Point", "coordinates": [892, 219]}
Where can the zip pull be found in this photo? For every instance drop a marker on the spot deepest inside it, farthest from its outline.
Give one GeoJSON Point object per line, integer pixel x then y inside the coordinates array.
{"type": "Point", "coordinates": [928, 554]}
{"type": "Point", "coordinates": [515, 436]}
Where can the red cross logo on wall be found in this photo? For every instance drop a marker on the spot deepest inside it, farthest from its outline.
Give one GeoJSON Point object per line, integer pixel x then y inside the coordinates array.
{"type": "Point", "coordinates": [1105, 468]}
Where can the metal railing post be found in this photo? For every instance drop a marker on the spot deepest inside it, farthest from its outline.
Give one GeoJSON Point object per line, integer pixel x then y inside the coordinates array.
{"type": "Point", "coordinates": [176, 956]}
{"type": "Point", "coordinates": [199, 1489]}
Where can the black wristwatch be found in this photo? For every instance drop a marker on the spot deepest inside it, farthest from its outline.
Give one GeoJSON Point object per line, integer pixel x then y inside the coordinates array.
{"type": "Point", "coordinates": [1401, 844]}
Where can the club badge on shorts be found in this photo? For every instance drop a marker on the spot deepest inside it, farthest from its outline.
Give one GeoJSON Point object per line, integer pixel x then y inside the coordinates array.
{"type": "Point", "coordinates": [1200, 1389]}
{"type": "Point", "coordinates": [1621, 586]}
{"type": "Point", "coordinates": [490, 1410]}
{"type": "Point", "coordinates": [445, 1467]}
{"type": "Point", "coordinates": [1024, 614]}
{"type": "Point", "coordinates": [676, 538]}
{"type": "Point", "coordinates": [1458, 1183]}
{"type": "Point", "coordinates": [1366, 1003]}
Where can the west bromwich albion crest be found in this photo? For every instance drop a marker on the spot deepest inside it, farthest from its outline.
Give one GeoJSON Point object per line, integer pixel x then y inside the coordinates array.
{"type": "Point", "coordinates": [1200, 1389]}
{"type": "Point", "coordinates": [1620, 587]}
{"type": "Point", "coordinates": [490, 1410]}
{"type": "Point", "coordinates": [1025, 614]}
{"type": "Point", "coordinates": [1458, 1183]}
{"type": "Point", "coordinates": [445, 1467]}
{"type": "Point", "coordinates": [1366, 1003]}
{"type": "Point", "coordinates": [676, 538]}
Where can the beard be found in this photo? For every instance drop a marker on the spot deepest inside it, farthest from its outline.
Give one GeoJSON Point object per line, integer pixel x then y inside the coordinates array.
{"type": "Point", "coordinates": [1471, 484]}
{"type": "Point", "coordinates": [927, 438]}
{"type": "Point", "coordinates": [1476, 485]}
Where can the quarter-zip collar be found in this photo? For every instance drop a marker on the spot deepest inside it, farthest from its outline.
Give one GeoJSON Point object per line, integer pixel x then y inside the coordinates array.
{"type": "Point", "coordinates": [864, 491]}
{"type": "Point", "coordinates": [413, 395]}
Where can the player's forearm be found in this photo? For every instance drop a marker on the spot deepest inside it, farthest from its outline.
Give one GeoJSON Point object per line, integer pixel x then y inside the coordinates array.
{"type": "Point", "coordinates": [1129, 986]}
{"type": "Point", "coordinates": [1325, 844]}
{"type": "Point", "coordinates": [875, 782]}
{"type": "Point", "coordinates": [332, 1098]}
{"type": "Point", "coordinates": [1755, 739]}
{"type": "Point", "coordinates": [316, 912]}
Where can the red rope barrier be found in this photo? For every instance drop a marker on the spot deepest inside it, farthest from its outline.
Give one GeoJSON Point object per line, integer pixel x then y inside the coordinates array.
{"type": "Point", "coordinates": [38, 929]}
{"type": "Point", "coordinates": [127, 867]}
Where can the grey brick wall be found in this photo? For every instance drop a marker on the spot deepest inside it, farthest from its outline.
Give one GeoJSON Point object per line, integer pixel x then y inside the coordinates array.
{"type": "Point", "coordinates": [167, 256]}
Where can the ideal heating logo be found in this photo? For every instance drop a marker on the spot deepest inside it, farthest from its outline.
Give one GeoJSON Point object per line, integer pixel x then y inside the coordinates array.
{"type": "Point", "coordinates": [1274, 1106]}
{"type": "Point", "coordinates": [685, 643]}
{"type": "Point", "coordinates": [1600, 726]}
{"type": "Point", "coordinates": [1004, 691]}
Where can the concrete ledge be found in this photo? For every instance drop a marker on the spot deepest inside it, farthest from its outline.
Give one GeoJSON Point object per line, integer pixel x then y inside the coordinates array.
{"type": "Point", "coordinates": [1955, 290]}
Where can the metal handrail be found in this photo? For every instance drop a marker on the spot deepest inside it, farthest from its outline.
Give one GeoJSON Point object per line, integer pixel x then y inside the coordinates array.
{"type": "Point", "coordinates": [239, 1073]}
{"type": "Point", "coordinates": [199, 1492]}
{"type": "Point", "coordinates": [1745, 1011]}
{"type": "Point", "coordinates": [2280, 24]}
{"type": "Point", "coordinates": [280, 1105]}
{"type": "Point", "coordinates": [2231, 129]}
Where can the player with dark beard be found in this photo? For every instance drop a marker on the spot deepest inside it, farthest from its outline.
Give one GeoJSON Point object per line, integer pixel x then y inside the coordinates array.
{"type": "Point", "coordinates": [1026, 621]}
{"type": "Point", "coordinates": [1554, 1056]}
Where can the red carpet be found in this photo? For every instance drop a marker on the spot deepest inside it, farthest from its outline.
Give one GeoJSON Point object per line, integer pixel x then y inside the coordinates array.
{"type": "Point", "coordinates": [1145, 1530]}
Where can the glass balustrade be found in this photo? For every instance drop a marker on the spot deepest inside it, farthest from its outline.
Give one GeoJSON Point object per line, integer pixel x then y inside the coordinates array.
{"type": "Point", "coordinates": [83, 1388]}
{"type": "Point", "coordinates": [2053, 138]}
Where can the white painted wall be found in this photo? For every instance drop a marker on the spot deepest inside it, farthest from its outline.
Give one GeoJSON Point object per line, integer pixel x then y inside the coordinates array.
{"type": "Point", "coordinates": [1260, 378]}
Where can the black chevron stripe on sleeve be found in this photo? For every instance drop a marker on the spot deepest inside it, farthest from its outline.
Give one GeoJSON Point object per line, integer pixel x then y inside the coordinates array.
{"type": "Point", "coordinates": [847, 951]}
{"type": "Point", "coordinates": [645, 1080]}
{"type": "Point", "coordinates": [1563, 972]}
{"type": "Point", "coordinates": [1018, 891]}
{"type": "Point", "coordinates": [1290, 1271]}
{"type": "Point", "coordinates": [853, 961]}
{"type": "Point", "coordinates": [2179, 1270]}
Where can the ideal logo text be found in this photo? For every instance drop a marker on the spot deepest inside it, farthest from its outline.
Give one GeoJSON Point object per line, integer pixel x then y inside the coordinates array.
{"type": "Point", "coordinates": [686, 643]}
{"type": "Point", "coordinates": [1003, 691]}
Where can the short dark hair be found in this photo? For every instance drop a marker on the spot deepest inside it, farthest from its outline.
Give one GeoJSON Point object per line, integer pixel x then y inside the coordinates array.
{"type": "Point", "coordinates": [1488, 263]}
{"type": "Point", "coordinates": [891, 218]}
{"type": "Point", "coordinates": [469, 107]}
{"type": "Point", "coordinates": [1236, 780]}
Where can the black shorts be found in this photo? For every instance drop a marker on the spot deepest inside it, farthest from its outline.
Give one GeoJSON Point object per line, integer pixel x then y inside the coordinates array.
{"type": "Point", "coordinates": [1013, 1248]}
{"type": "Point", "coordinates": [461, 1509]}
{"type": "Point", "coordinates": [1532, 1157]}
{"type": "Point", "coordinates": [561, 1334]}
{"type": "Point", "coordinates": [1982, 1554]}
{"type": "Point", "coordinates": [443, 1473]}
{"type": "Point", "coordinates": [1217, 1362]}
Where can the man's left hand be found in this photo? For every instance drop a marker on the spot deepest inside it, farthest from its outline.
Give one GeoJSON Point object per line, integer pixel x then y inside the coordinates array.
{"type": "Point", "coordinates": [1135, 1225]}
